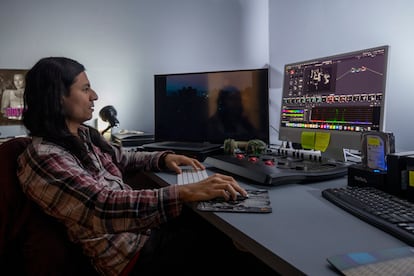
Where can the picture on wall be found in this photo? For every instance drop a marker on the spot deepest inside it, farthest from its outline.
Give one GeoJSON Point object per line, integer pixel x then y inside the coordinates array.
{"type": "Point", "coordinates": [12, 83]}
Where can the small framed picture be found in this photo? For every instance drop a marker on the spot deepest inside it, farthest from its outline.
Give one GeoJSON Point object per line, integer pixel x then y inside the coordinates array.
{"type": "Point", "coordinates": [12, 83]}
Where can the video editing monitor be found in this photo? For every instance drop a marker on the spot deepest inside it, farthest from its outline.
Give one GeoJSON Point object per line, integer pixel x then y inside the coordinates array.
{"type": "Point", "coordinates": [341, 94]}
{"type": "Point", "coordinates": [212, 106]}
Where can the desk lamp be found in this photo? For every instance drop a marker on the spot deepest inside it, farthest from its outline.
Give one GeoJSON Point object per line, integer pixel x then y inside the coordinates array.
{"type": "Point", "coordinates": [108, 114]}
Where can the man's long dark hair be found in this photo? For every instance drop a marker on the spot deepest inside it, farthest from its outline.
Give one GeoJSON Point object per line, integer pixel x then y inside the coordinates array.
{"type": "Point", "coordinates": [46, 83]}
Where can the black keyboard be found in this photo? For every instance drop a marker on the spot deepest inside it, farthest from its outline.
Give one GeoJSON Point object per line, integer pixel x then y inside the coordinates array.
{"type": "Point", "coordinates": [385, 211]}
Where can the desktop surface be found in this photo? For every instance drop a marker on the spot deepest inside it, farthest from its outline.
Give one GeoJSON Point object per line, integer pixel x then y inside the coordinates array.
{"type": "Point", "coordinates": [303, 230]}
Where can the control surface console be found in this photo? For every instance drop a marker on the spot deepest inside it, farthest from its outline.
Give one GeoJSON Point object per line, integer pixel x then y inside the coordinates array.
{"type": "Point", "coordinates": [273, 170]}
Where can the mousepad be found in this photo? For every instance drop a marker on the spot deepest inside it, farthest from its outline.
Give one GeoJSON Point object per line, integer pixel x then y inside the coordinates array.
{"type": "Point", "coordinates": [257, 202]}
{"type": "Point", "coordinates": [391, 261]}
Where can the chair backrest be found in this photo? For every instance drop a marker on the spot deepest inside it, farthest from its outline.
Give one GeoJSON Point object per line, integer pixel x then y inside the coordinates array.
{"type": "Point", "coordinates": [12, 200]}
{"type": "Point", "coordinates": [29, 237]}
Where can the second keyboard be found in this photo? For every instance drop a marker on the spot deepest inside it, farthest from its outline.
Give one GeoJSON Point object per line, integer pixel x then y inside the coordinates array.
{"type": "Point", "coordinates": [385, 211]}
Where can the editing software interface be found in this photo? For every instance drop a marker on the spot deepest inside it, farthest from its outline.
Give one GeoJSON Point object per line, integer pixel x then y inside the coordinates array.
{"type": "Point", "coordinates": [343, 92]}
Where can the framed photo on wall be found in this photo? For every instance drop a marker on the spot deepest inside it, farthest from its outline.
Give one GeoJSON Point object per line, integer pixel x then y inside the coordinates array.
{"type": "Point", "coordinates": [12, 83]}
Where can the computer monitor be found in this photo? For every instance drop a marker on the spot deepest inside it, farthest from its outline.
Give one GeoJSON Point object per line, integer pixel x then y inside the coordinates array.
{"type": "Point", "coordinates": [212, 106]}
{"type": "Point", "coordinates": [342, 95]}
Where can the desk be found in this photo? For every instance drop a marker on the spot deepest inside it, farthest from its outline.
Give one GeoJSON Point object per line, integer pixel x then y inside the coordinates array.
{"type": "Point", "coordinates": [301, 232]}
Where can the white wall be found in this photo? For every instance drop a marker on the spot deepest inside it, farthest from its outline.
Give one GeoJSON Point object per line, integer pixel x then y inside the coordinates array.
{"type": "Point", "coordinates": [302, 30]}
{"type": "Point", "coordinates": [124, 43]}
